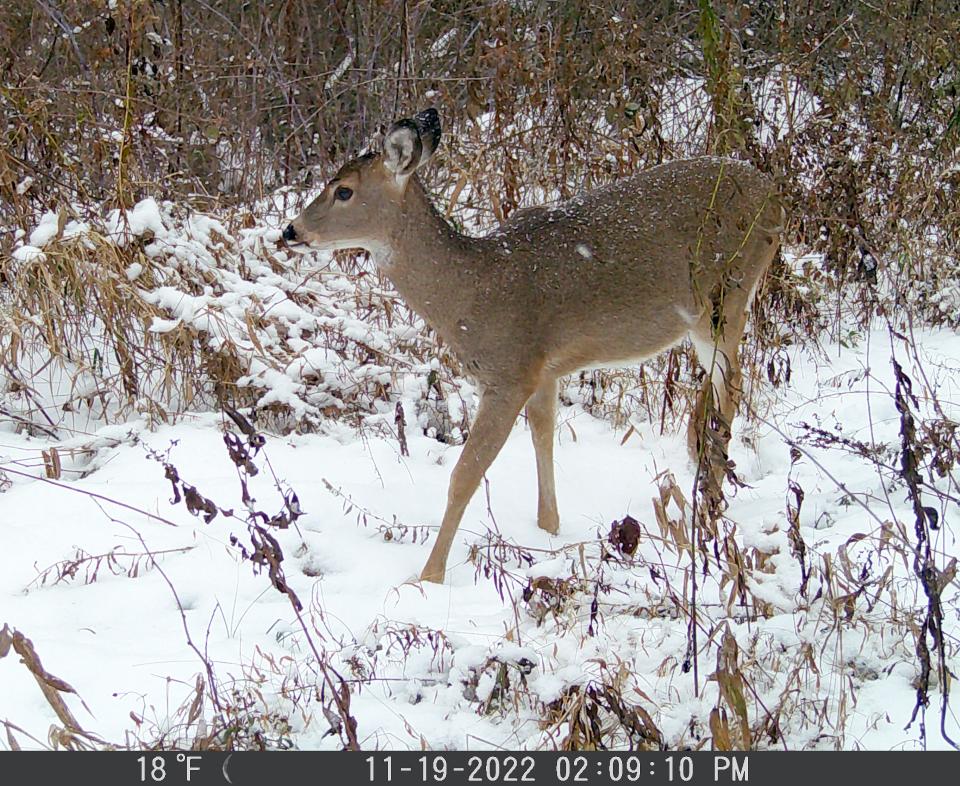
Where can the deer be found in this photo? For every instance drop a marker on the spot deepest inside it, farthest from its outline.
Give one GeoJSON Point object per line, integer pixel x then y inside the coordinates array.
{"type": "Point", "coordinates": [611, 277]}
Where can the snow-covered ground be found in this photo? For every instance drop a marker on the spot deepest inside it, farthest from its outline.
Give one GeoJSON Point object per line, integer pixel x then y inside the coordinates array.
{"type": "Point", "coordinates": [119, 639]}
{"type": "Point", "coordinates": [129, 598]}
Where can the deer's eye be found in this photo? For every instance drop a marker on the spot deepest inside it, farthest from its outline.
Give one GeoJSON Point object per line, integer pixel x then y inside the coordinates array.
{"type": "Point", "coordinates": [343, 193]}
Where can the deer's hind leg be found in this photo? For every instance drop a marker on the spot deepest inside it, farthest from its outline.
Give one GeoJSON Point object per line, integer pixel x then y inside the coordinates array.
{"type": "Point", "coordinates": [717, 334]}
{"type": "Point", "coordinates": [716, 339]}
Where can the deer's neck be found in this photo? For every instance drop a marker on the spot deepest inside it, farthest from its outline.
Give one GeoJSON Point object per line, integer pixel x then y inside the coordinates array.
{"type": "Point", "coordinates": [428, 261]}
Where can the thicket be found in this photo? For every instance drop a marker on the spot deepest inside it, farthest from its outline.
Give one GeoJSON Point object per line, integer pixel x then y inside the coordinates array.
{"type": "Point", "coordinates": [216, 106]}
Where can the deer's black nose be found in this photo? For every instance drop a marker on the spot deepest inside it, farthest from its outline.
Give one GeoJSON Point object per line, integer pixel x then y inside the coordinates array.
{"type": "Point", "coordinates": [289, 234]}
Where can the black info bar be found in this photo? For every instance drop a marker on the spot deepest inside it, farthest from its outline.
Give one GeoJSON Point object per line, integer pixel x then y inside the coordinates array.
{"type": "Point", "coordinates": [454, 768]}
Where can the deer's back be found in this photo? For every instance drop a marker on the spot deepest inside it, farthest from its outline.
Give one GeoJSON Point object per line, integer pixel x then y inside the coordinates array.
{"type": "Point", "coordinates": [621, 271]}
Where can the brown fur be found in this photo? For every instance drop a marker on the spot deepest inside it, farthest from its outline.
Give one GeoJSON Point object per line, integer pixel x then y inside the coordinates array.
{"type": "Point", "coordinates": [616, 275]}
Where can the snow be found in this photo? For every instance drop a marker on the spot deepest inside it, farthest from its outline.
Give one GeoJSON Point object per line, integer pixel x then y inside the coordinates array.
{"type": "Point", "coordinates": [432, 658]}
{"type": "Point", "coordinates": [119, 638]}
{"type": "Point", "coordinates": [145, 216]}
{"type": "Point", "coordinates": [159, 325]}
{"type": "Point", "coordinates": [338, 72]}
{"type": "Point", "coordinates": [46, 229]}
{"type": "Point", "coordinates": [28, 253]}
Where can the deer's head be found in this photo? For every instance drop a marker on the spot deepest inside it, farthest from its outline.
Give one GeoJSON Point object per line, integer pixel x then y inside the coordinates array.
{"type": "Point", "coordinates": [362, 203]}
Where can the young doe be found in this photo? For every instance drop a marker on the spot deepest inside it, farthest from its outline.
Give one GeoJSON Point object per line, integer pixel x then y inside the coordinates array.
{"type": "Point", "coordinates": [613, 276]}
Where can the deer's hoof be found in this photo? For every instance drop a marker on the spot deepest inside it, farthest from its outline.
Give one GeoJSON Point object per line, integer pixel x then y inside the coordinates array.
{"type": "Point", "coordinates": [549, 522]}
{"type": "Point", "coordinates": [433, 575]}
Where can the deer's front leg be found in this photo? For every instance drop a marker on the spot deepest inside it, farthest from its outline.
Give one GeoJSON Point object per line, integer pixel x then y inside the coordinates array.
{"type": "Point", "coordinates": [498, 411]}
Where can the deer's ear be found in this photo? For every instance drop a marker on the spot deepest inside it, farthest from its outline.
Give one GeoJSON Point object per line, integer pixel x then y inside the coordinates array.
{"type": "Point", "coordinates": [428, 124]}
{"type": "Point", "coordinates": [402, 148]}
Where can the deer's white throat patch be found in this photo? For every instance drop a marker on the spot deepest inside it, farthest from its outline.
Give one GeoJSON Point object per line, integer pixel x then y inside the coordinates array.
{"type": "Point", "coordinates": [382, 256]}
